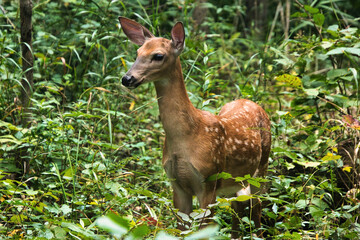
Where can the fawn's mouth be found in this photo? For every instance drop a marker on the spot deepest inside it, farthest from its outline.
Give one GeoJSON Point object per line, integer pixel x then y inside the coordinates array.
{"type": "Point", "coordinates": [131, 82]}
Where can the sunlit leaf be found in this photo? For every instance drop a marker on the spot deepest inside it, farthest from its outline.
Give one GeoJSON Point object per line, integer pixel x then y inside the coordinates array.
{"type": "Point", "coordinates": [204, 233]}
{"type": "Point", "coordinates": [308, 164]}
{"type": "Point", "coordinates": [347, 169]}
{"type": "Point", "coordinates": [291, 80]}
{"type": "Point", "coordinates": [312, 91]}
{"type": "Point", "coordinates": [114, 224]}
{"type": "Point", "coordinates": [341, 50]}
{"type": "Point", "coordinates": [243, 198]}
{"type": "Point", "coordinates": [330, 157]}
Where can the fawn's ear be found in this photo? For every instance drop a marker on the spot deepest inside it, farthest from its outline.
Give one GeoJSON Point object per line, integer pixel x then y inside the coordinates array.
{"type": "Point", "coordinates": [178, 37]}
{"type": "Point", "coordinates": [135, 31]}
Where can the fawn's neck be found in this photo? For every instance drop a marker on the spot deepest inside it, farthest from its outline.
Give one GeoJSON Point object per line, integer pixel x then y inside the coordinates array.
{"type": "Point", "coordinates": [179, 117]}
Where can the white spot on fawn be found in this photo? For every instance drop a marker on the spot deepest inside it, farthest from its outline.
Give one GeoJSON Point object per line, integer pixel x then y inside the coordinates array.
{"type": "Point", "coordinates": [238, 141]}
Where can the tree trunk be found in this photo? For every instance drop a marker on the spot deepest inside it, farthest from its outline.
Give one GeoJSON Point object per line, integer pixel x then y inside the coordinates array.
{"type": "Point", "coordinates": [27, 58]}
{"type": "Point", "coordinates": [199, 15]}
{"type": "Point", "coordinates": [27, 83]}
{"type": "Point", "coordinates": [256, 17]}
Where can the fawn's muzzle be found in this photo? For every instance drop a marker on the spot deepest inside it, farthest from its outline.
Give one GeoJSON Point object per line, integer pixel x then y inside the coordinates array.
{"type": "Point", "coordinates": [130, 81]}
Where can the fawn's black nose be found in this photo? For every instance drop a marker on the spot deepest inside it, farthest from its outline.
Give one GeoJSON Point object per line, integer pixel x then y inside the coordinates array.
{"type": "Point", "coordinates": [128, 81]}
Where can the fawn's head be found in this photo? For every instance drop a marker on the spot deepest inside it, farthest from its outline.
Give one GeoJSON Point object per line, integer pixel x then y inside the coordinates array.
{"type": "Point", "coordinates": [156, 57]}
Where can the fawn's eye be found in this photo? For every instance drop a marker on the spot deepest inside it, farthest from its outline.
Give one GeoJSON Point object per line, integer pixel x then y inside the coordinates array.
{"type": "Point", "coordinates": [158, 57]}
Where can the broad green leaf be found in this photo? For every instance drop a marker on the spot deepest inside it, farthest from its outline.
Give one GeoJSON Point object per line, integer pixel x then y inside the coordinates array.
{"type": "Point", "coordinates": [333, 30]}
{"type": "Point", "coordinates": [335, 73]}
{"type": "Point", "coordinates": [114, 224]}
{"type": "Point", "coordinates": [301, 204]}
{"type": "Point", "coordinates": [326, 44]}
{"type": "Point", "coordinates": [59, 232]}
{"type": "Point", "coordinates": [341, 50]}
{"type": "Point", "coordinates": [319, 203]}
{"type": "Point", "coordinates": [319, 19]}
{"type": "Point", "coordinates": [312, 91]}
{"type": "Point", "coordinates": [140, 232]}
{"type": "Point", "coordinates": [254, 182]}
{"type": "Point", "coordinates": [65, 209]}
{"type": "Point", "coordinates": [349, 31]}
{"type": "Point", "coordinates": [200, 213]}
{"type": "Point", "coordinates": [243, 198]}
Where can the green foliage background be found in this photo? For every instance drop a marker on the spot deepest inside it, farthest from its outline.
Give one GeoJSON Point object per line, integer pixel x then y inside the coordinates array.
{"type": "Point", "coordinates": [94, 147]}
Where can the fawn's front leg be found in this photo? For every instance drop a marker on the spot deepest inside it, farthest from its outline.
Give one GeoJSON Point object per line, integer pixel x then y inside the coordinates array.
{"type": "Point", "coordinates": [182, 201]}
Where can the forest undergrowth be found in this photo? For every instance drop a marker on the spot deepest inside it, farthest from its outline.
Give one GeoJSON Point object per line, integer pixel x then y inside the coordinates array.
{"type": "Point", "coordinates": [86, 163]}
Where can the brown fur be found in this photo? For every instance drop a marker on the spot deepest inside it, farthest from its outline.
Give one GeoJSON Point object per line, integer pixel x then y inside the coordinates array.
{"type": "Point", "coordinates": [199, 144]}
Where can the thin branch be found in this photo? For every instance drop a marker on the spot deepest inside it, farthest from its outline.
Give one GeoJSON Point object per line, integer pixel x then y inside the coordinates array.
{"type": "Point", "coordinates": [7, 18]}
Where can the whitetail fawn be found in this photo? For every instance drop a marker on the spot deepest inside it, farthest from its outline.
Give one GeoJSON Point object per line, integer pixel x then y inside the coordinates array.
{"type": "Point", "coordinates": [199, 144]}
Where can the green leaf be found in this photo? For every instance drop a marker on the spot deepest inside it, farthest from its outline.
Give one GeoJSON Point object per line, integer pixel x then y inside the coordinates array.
{"type": "Point", "coordinates": [243, 198]}
{"type": "Point", "coordinates": [319, 19]}
{"type": "Point", "coordinates": [310, 9]}
{"type": "Point", "coordinates": [140, 232]}
{"type": "Point", "coordinates": [205, 233]}
{"type": "Point", "coordinates": [299, 15]}
{"type": "Point", "coordinates": [65, 209]}
{"type": "Point", "coordinates": [307, 164]}
{"type": "Point", "coordinates": [312, 91]}
{"type": "Point", "coordinates": [78, 229]}
{"type": "Point", "coordinates": [335, 73]}
{"type": "Point", "coordinates": [217, 176]}
{"type": "Point", "coordinates": [9, 126]}
{"type": "Point", "coordinates": [341, 50]}
{"type": "Point", "coordinates": [164, 236]}
{"type": "Point", "coordinates": [68, 174]}
{"type": "Point", "coordinates": [254, 182]}
{"type": "Point", "coordinates": [301, 204]}
{"type": "Point", "coordinates": [333, 30]}
{"type": "Point", "coordinates": [18, 218]}
{"type": "Point", "coordinates": [291, 80]}
{"type": "Point", "coordinates": [330, 157]}
{"type": "Point", "coordinates": [326, 44]}
{"type": "Point", "coordinates": [31, 192]}
{"type": "Point", "coordinates": [114, 224]}
{"type": "Point", "coordinates": [9, 139]}
{"type": "Point", "coordinates": [353, 50]}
